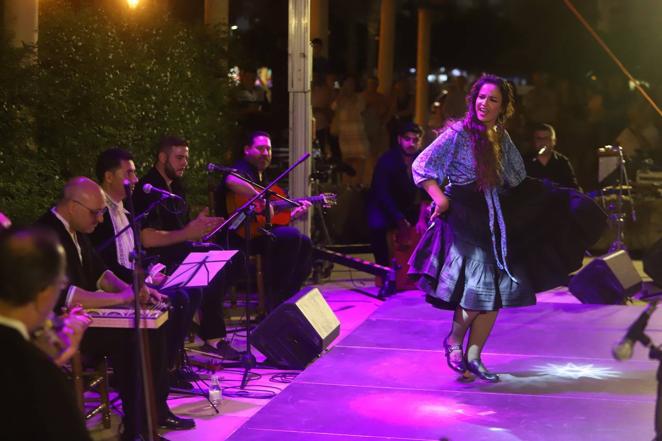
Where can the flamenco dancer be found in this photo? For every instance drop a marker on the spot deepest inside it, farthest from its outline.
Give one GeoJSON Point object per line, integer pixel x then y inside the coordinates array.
{"type": "Point", "coordinates": [496, 237]}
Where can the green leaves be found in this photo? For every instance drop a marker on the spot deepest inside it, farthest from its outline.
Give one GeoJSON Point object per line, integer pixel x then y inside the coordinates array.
{"type": "Point", "coordinates": [102, 79]}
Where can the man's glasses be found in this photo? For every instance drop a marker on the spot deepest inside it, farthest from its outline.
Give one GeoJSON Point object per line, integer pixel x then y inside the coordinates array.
{"type": "Point", "coordinates": [95, 213]}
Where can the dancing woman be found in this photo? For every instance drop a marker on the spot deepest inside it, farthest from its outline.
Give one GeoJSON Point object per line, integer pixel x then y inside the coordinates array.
{"type": "Point", "coordinates": [490, 243]}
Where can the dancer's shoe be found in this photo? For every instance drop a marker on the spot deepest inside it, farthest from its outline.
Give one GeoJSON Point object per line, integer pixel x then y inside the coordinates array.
{"type": "Point", "coordinates": [456, 365]}
{"type": "Point", "coordinates": [477, 368]}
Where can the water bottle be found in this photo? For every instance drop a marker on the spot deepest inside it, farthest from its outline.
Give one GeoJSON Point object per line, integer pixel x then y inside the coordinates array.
{"type": "Point", "coordinates": [215, 394]}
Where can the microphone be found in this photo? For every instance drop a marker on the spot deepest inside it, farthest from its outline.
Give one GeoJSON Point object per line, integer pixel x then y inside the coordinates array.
{"type": "Point", "coordinates": [624, 349]}
{"type": "Point", "coordinates": [211, 167]}
{"type": "Point", "coordinates": [148, 188]}
{"type": "Point", "coordinates": [543, 150]}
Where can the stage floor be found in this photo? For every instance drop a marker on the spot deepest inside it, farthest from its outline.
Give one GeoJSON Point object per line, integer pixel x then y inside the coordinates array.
{"type": "Point", "coordinates": [388, 380]}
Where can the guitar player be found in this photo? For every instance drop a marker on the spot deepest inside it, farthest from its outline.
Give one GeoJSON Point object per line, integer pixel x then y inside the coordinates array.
{"type": "Point", "coordinates": [286, 252]}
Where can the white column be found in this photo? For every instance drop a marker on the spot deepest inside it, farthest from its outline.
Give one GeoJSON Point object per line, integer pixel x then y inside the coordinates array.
{"type": "Point", "coordinates": [386, 46]}
{"type": "Point", "coordinates": [22, 21]}
{"type": "Point", "coordinates": [300, 68]}
{"type": "Point", "coordinates": [422, 66]}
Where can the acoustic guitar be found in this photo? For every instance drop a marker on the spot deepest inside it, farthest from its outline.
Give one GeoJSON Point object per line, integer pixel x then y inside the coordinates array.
{"type": "Point", "coordinates": [281, 216]}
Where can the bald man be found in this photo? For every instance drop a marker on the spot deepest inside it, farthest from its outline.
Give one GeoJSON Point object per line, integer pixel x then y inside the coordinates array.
{"type": "Point", "coordinates": [92, 285]}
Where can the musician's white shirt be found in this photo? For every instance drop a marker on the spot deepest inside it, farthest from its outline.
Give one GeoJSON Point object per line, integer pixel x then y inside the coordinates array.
{"type": "Point", "coordinates": [124, 243]}
{"type": "Point", "coordinates": [15, 324]}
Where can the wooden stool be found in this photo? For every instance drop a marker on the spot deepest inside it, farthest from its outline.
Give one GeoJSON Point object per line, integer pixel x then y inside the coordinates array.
{"type": "Point", "coordinates": [91, 380]}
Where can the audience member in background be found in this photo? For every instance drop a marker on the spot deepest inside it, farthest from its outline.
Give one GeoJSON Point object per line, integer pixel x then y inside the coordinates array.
{"type": "Point", "coordinates": [375, 118]}
{"type": "Point", "coordinates": [349, 127]}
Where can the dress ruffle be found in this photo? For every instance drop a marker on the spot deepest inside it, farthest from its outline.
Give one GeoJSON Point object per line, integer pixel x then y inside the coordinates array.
{"type": "Point", "coordinates": [548, 229]}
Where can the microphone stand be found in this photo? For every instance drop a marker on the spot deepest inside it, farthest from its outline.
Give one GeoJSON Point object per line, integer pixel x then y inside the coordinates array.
{"type": "Point", "coordinates": [245, 213]}
{"type": "Point", "coordinates": [140, 335]}
{"type": "Point", "coordinates": [654, 353]}
{"type": "Point", "coordinates": [137, 219]}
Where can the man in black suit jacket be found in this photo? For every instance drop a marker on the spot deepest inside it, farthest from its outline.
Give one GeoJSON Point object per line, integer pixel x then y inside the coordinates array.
{"type": "Point", "coordinates": [92, 285]}
{"type": "Point", "coordinates": [38, 402]}
{"type": "Point", "coordinates": [114, 167]}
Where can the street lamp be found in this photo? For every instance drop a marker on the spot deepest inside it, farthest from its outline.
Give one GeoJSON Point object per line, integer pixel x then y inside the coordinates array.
{"type": "Point", "coordinates": [133, 4]}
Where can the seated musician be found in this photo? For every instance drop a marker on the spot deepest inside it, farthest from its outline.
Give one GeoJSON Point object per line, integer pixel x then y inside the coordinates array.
{"type": "Point", "coordinates": [168, 232]}
{"type": "Point", "coordinates": [395, 203]}
{"type": "Point", "coordinates": [92, 285]}
{"type": "Point", "coordinates": [114, 167]}
{"type": "Point", "coordinates": [287, 252]}
{"type": "Point", "coordinates": [544, 162]}
{"type": "Point", "coordinates": [38, 402]}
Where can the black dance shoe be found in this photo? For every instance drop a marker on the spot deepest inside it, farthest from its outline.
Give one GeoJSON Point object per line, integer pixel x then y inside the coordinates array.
{"type": "Point", "coordinates": [477, 368]}
{"type": "Point", "coordinates": [173, 422]}
{"type": "Point", "coordinates": [457, 366]}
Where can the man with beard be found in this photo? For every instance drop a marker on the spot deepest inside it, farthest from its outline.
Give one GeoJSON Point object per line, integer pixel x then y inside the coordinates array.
{"type": "Point", "coordinates": [395, 202]}
{"type": "Point", "coordinates": [168, 231]}
{"type": "Point", "coordinates": [287, 253]}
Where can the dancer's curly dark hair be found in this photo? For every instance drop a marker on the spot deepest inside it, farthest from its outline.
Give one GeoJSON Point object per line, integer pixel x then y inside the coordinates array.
{"type": "Point", "coordinates": [487, 144]}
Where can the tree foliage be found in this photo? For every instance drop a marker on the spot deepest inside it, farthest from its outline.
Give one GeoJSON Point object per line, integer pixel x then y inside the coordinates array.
{"type": "Point", "coordinates": [104, 78]}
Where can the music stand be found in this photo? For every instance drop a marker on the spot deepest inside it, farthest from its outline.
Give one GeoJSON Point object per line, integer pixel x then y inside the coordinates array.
{"type": "Point", "coordinates": [198, 269]}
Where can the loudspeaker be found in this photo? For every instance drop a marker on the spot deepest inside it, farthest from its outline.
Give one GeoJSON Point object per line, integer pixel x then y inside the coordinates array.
{"type": "Point", "coordinates": [653, 262]}
{"type": "Point", "coordinates": [297, 331]}
{"type": "Point", "coordinates": [607, 280]}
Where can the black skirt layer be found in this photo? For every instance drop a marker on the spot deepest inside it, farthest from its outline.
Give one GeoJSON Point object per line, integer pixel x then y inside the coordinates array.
{"type": "Point", "coordinates": [548, 229]}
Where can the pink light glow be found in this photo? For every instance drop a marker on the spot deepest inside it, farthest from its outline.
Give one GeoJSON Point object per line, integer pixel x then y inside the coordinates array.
{"type": "Point", "coordinates": [418, 408]}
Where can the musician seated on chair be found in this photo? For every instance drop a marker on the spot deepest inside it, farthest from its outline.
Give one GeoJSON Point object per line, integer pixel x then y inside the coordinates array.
{"type": "Point", "coordinates": [286, 252]}
{"type": "Point", "coordinates": [92, 285]}
{"type": "Point", "coordinates": [395, 203]}
{"type": "Point", "coordinates": [544, 162]}
{"type": "Point", "coordinates": [114, 167]}
{"type": "Point", "coordinates": [168, 232]}
{"type": "Point", "coordinates": [37, 400]}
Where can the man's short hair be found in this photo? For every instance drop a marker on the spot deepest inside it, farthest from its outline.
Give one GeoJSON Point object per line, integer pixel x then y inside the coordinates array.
{"type": "Point", "coordinates": [166, 144]}
{"type": "Point", "coordinates": [31, 259]}
{"type": "Point", "coordinates": [250, 137]}
{"type": "Point", "coordinates": [407, 127]}
{"type": "Point", "coordinates": [110, 160]}
{"type": "Point", "coordinates": [544, 127]}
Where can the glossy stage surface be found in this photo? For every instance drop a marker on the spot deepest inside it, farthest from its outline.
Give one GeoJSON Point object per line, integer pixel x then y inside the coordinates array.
{"type": "Point", "coordinates": [388, 380]}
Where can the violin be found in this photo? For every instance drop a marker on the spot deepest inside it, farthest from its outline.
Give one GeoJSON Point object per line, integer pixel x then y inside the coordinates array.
{"type": "Point", "coordinates": [60, 335]}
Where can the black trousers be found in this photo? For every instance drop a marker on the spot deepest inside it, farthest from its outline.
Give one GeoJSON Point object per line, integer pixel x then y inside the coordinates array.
{"type": "Point", "coordinates": [287, 261]}
{"type": "Point", "coordinates": [120, 346]}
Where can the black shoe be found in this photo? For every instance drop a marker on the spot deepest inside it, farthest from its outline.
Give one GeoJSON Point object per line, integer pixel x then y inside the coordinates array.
{"type": "Point", "coordinates": [457, 366]}
{"type": "Point", "coordinates": [173, 422]}
{"type": "Point", "coordinates": [176, 380]}
{"type": "Point", "coordinates": [226, 351]}
{"type": "Point", "coordinates": [477, 368]}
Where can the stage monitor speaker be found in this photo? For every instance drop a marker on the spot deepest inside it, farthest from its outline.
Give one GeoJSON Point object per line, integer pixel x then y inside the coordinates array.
{"type": "Point", "coordinates": [607, 280]}
{"type": "Point", "coordinates": [653, 263]}
{"type": "Point", "coordinates": [297, 331]}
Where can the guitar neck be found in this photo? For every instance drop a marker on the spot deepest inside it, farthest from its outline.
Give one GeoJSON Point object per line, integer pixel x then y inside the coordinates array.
{"type": "Point", "coordinates": [283, 205]}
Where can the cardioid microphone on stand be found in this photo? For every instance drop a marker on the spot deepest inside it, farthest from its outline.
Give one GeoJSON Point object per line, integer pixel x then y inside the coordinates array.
{"type": "Point", "coordinates": [624, 349]}
{"type": "Point", "coordinates": [149, 188]}
{"type": "Point", "coordinates": [211, 167]}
